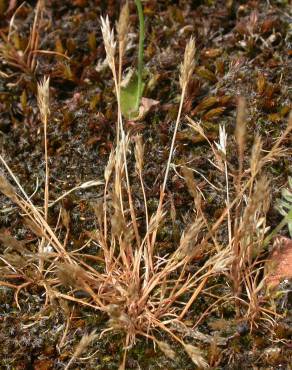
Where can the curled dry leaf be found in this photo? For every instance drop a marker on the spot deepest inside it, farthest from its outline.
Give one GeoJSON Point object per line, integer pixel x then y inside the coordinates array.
{"type": "Point", "coordinates": [145, 107]}
{"type": "Point", "coordinates": [12, 6]}
{"type": "Point", "coordinates": [279, 264]}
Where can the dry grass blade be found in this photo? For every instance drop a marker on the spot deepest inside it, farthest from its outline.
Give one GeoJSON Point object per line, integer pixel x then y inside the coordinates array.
{"type": "Point", "coordinates": [34, 36]}
{"type": "Point", "coordinates": [25, 61]}
{"type": "Point", "coordinates": [31, 211]}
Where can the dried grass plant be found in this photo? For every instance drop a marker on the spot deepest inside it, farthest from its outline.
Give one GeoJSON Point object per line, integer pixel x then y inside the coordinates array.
{"type": "Point", "coordinates": [24, 60]}
{"type": "Point", "coordinates": [246, 215]}
{"type": "Point", "coordinates": [143, 291]}
{"type": "Point", "coordinates": [139, 289]}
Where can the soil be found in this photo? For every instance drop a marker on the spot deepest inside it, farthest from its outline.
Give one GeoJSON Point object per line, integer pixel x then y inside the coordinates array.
{"type": "Point", "coordinates": [243, 49]}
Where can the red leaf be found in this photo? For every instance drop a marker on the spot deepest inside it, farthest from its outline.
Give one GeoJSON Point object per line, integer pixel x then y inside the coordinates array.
{"type": "Point", "coordinates": [279, 264]}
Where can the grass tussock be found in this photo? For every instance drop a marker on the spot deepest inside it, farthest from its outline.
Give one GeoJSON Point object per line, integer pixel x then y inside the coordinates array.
{"type": "Point", "coordinates": [143, 290]}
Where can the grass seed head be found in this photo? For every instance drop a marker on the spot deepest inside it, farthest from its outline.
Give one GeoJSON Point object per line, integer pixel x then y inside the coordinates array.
{"type": "Point", "coordinates": [6, 188]}
{"type": "Point", "coordinates": [84, 343]}
{"type": "Point", "coordinates": [221, 146]}
{"type": "Point", "coordinates": [166, 349]}
{"type": "Point", "coordinates": [156, 221]}
{"type": "Point", "coordinates": [196, 356]}
{"type": "Point", "coordinates": [241, 125]}
{"type": "Point", "coordinates": [139, 153]}
{"type": "Point", "coordinates": [290, 120]}
{"type": "Point", "coordinates": [72, 275]}
{"type": "Point", "coordinates": [188, 65]}
{"type": "Point", "coordinates": [188, 245]}
{"type": "Point", "coordinates": [44, 98]}
{"type": "Point", "coordinates": [256, 155]}
{"type": "Point", "coordinates": [258, 201]}
{"type": "Point", "coordinates": [123, 27]}
{"type": "Point", "coordinates": [109, 41]}
{"type": "Point", "coordinates": [81, 347]}
{"type": "Point", "coordinates": [221, 261]}
{"type": "Point", "coordinates": [190, 181]}
{"type": "Point", "coordinates": [109, 167]}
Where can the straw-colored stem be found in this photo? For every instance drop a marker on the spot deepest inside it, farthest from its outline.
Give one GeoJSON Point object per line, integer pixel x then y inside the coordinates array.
{"type": "Point", "coordinates": [276, 230]}
{"type": "Point", "coordinates": [228, 204]}
{"type": "Point", "coordinates": [268, 157]}
{"type": "Point", "coordinates": [46, 192]}
{"type": "Point", "coordinates": [120, 126]}
{"type": "Point", "coordinates": [148, 257]}
{"type": "Point", "coordinates": [37, 217]}
{"type": "Point", "coordinates": [162, 191]}
{"type": "Point", "coordinates": [173, 139]}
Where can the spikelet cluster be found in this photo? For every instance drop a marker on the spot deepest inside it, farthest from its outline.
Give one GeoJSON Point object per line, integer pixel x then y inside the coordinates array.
{"type": "Point", "coordinates": [6, 188]}
{"type": "Point", "coordinates": [109, 41]}
{"type": "Point", "coordinates": [139, 153]}
{"type": "Point", "coordinates": [188, 65]}
{"type": "Point", "coordinates": [196, 356]}
{"type": "Point", "coordinates": [44, 98]}
{"type": "Point", "coordinates": [123, 28]}
{"type": "Point", "coordinates": [241, 125]}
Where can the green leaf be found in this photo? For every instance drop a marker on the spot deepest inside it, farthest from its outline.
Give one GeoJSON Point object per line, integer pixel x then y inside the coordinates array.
{"type": "Point", "coordinates": [130, 98]}
{"type": "Point", "coordinates": [284, 205]}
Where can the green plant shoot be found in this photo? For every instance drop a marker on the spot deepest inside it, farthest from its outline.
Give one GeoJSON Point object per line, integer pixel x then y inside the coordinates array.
{"type": "Point", "coordinates": [131, 95]}
{"type": "Point", "coordinates": [284, 206]}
